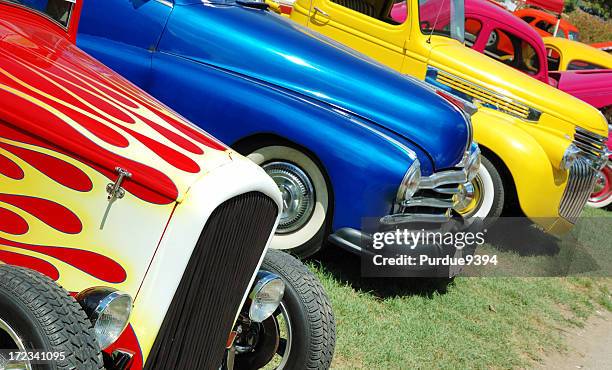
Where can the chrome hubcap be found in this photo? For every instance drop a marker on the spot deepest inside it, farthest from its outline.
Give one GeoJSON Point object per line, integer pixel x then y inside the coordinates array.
{"type": "Point", "coordinates": [298, 195]}
{"type": "Point", "coordinates": [470, 197]}
{"type": "Point", "coordinates": [10, 340]}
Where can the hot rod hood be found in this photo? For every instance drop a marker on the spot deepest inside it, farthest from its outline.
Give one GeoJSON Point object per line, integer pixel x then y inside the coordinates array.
{"type": "Point", "coordinates": [72, 104]}
{"type": "Point", "coordinates": [459, 60]}
{"type": "Point", "coordinates": [260, 45]}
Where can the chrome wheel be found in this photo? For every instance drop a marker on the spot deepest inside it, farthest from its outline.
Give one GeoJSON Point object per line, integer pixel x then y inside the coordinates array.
{"type": "Point", "coordinates": [470, 197]}
{"type": "Point", "coordinates": [10, 340]}
{"type": "Point", "coordinates": [298, 195]}
{"type": "Point", "coordinates": [285, 336]}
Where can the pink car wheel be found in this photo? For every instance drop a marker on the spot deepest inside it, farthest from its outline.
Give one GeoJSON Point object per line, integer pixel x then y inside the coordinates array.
{"type": "Point", "coordinates": [602, 194]}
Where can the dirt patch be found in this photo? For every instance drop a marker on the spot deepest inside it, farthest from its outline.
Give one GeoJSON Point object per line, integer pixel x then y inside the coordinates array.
{"type": "Point", "coordinates": [589, 347]}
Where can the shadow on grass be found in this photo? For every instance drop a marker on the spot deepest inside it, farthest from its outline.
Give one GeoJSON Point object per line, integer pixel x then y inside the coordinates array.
{"type": "Point", "coordinates": [345, 267]}
{"type": "Point", "coordinates": [521, 236]}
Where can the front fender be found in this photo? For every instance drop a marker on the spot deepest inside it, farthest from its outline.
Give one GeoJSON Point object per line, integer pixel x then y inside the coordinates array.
{"type": "Point", "coordinates": [365, 164]}
{"type": "Point", "coordinates": [539, 185]}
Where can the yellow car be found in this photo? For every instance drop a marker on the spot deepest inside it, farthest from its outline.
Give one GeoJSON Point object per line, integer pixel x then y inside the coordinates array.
{"type": "Point", "coordinates": [541, 147]}
{"type": "Point", "coordinates": [564, 55]}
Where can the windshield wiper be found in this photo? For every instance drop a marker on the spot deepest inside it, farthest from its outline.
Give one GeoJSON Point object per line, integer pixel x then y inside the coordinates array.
{"type": "Point", "coordinates": [253, 4]}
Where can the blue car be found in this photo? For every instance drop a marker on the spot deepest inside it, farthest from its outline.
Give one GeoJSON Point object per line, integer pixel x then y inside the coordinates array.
{"type": "Point", "coordinates": [344, 137]}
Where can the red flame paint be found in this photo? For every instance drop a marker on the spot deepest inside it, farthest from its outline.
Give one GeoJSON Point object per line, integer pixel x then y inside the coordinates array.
{"type": "Point", "coordinates": [94, 264]}
{"type": "Point", "coordinates": [30, 262]}
{"type": "Point", "coordinates": [10, 169]}
{"type": "Point", "coordinates": [53, 214]}
{"type": "Point", "coordinates": [60, 171]}
{"type": "Point", "coordinates": [12, 223]}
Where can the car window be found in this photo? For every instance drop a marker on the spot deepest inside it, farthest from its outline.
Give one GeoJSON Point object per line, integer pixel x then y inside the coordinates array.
{"type": "Point", "coordinates": [544, 26]}
{"type": "Point", "coordinates": [57, 10]}
{"type": "Point", "coordinates": [553, 59]}
{"type": "Point", "coordinates": [513, 51]}
{"type": "Point", "coordinates": [472, 30]}
{"type": "Point", "coordinates": [580, 65]}
{"type": "Point", "coordinates": [574, 36]}
{"type": "Point", "coordinates": [388, 11]}
{"type": "Point", "coordinates": [528, 18]}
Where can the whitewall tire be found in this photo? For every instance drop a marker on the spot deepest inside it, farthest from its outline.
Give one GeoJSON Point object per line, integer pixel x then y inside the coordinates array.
{"type": "Point", "coordinates": [305, 197]}
{"type": "Point", "coordinates": [484, 196]}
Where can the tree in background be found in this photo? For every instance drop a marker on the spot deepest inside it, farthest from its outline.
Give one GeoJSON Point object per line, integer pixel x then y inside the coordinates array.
{"type": "Point", "coordinates": [601, 8]}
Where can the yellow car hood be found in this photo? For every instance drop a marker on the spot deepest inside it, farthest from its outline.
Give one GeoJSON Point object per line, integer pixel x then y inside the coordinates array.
{"type": "Point", "coordinates": [472, 66]}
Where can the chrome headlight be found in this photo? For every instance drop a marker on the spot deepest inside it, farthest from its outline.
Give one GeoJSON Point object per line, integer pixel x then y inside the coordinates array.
{"type": "Point", "coordinates": [265, 296]}
{"type": "Point", "coordinates": [410, 183]}
{"type": "Point", "coordinates": [569, 157]}
{"type": "Point", "coordinates": [472, 166]}
{"type": "Point", "coordinates": [109, 312]}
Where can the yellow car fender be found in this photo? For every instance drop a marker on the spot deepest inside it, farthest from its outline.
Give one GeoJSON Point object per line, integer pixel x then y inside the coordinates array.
{"type": "Point", "coordinates": [539, 185]}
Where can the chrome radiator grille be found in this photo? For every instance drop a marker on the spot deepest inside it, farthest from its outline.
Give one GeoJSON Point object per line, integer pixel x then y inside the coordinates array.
{"type": "Point", "coordinates": [591, 144]}
{"type": "Point", "coordinates": [579, 187]}
{"type": "Point", "coordinates": [434, 200]}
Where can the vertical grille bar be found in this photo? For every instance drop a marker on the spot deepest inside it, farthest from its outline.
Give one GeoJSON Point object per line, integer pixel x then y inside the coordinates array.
{"type": "Point", "coordinates": [579, 187]}
{"type": "Point", "coordinates": [200, 317]}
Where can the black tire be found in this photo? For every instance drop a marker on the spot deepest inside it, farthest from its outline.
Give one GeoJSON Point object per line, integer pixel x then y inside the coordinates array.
{"type": "Point", "coordinates": [310, 312]}
{"type": "Point", "coordinates": [47, 318]}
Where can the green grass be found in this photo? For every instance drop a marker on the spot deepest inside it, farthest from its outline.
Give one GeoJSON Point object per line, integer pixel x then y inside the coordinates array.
{"type": "Point", "coordinates": [475, 322]}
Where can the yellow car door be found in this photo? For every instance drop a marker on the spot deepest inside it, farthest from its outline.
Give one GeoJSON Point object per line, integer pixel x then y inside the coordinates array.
{"type": "Point", "coordinates": [377, 28]}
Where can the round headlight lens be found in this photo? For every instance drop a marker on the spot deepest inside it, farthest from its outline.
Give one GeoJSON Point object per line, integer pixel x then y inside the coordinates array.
{"type": "Point", "coordinates": [569, 157]}
{"type": "Point", "coordinates": [108, 310]}
{"type": "Point", "coordinates": [266, 296]}
{"type": "Point", "coordinates": [411, 182]}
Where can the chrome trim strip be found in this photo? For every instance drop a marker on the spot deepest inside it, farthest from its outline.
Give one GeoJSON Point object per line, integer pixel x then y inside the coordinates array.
{"type": "Point", "coordinates": [166, 3]}
{"type": "Point", "coordinates": [428, 202]}
{"type": "Point", "coordinates": [353, 118]}
{"type": "Point", "coordinates": [533, 115]}
{"type": "Point", "coordinates": [443, 178]}
{"type": "Point", "coordinates": [402, 217]}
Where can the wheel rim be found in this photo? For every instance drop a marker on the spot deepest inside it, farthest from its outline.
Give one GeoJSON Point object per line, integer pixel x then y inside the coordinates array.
{"type": "Point", "coordinates": [603, 186]}
{"type": "Point", "coordinates": [297, 192]}
{"type": "Point", "coordinates": [471, 197]}
{"type": "Point", "coordinates": [285, 335]}
{"type": "Point", "coordinates": [10, 339]}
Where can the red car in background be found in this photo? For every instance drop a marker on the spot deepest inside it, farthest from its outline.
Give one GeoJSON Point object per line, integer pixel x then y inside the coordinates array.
{"type": "Point", "coordinates": [605, 46]}
{"type": "Point", "coordinates": [544, 23]}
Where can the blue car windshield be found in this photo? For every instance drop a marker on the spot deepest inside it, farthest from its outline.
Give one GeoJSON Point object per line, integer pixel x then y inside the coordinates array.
{"type": "Point", "coordinates": [57, 10]}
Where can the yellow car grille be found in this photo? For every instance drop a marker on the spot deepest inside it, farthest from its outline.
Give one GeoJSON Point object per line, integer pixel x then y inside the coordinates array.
{"type": "Point", "coordinates": [483, 95]}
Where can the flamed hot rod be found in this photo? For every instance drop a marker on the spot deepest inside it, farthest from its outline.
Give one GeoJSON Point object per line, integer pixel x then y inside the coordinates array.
{"type": "Point", "coordinates": [154, 229]}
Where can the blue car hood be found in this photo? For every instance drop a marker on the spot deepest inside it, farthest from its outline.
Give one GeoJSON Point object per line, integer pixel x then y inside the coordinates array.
{"type": "Point", "coordinates": [265, 46]}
